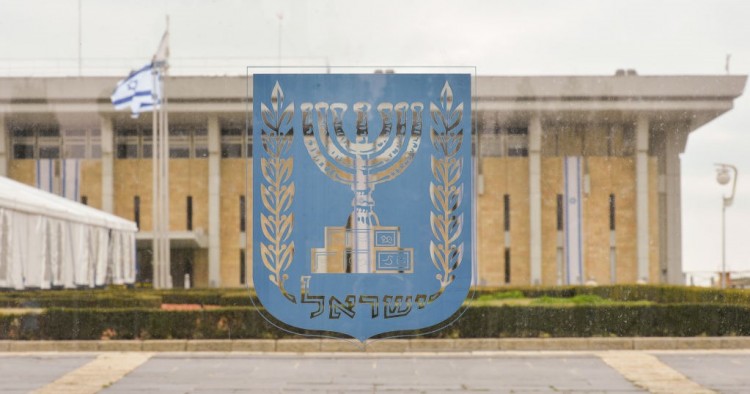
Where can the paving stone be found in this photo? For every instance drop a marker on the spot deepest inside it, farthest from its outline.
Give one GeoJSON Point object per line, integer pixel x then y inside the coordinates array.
{"type": "Point", "coordinates": [521, 344]}
{"type": "Point", "coordinates": [608, 344]}
{"type": "Point", "coordinates": [165, 345]}
{"type": "Point", "coordinates": [654, 343]}
{"type": "Point", "coordinates": [76, 346]}
{"type": "Point", "coordinates": [253, 345]}
{"type": "Point", "coordinates": [477, 344]}
{"type": "Point", "coordinates": [23, 374]}
{"type": "Point", "coordinates": [735, 343]}
{"type": "Point", "coordinates": [120, 346]}
{"type": "Point", "coordinates": [387, 346]}
{"type": "Point", "coordinates": [698, 343]}
{"type": "Point", "coordinates": [725, 373]}
{"type": "Point", "coordinates": [432, 345]}
{"type": "Point", "coordinates": [209, 345]}
{"type": "Point", "coordinates": [33, 346]}
{"type": "Point", "coordinates": [341, 345]}
{"type": "Point", "coordinates": [298, 345]}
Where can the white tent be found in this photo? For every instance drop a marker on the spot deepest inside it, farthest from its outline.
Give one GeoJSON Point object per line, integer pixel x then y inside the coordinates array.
{"type": "Point", "coordinates": [47, 240]}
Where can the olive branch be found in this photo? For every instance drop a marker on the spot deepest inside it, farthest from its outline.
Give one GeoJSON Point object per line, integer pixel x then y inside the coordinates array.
{"type": "Point", "coordinates": [446, 192]}
{"type": "Point", "coordinates": [277, 189]}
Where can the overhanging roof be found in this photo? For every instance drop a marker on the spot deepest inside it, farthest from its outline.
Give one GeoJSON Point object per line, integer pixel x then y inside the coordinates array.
{"type": "Point", "coordinates": [697, 98]}
{"type": "Point", "coordinates": [177, 239]}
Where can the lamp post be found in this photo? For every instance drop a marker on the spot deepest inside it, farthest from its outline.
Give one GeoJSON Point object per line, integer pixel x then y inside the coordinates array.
{"type": "Point", "coordinates": [723, 176]}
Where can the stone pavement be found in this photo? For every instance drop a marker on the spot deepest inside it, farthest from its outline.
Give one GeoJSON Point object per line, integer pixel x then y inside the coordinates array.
{"type": "Point", "coordinates": [609, 371]}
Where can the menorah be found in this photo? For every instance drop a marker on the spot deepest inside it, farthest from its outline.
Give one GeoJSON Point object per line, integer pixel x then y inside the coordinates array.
{"type": "Point", "coordinates": [352, 158]}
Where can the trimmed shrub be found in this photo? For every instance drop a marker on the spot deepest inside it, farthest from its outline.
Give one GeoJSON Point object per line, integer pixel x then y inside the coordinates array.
{"type": "Point", "coordinates": [613, 319]}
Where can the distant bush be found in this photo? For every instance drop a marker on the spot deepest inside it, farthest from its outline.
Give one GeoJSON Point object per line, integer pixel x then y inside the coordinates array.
{"type": "Point", "coordinates": [88, 298]}
{"type": "Point", "coordinates": [662, 294]}
{"type": "Point", "coordinates": [581, 299]}
{"type": "Point", "coordinates": [502, 295]}
{"type": "Point", "coordinates": [124, 298]}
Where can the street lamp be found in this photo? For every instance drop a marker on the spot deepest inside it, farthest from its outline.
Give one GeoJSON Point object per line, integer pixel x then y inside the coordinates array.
{"type": "Point", "coordinates": [723, 176]}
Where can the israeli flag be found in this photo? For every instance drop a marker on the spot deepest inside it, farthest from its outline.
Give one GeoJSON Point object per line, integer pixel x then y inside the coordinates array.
{"type": "Point", "coordinates": [140, 91]}
{"type": "Point", "coordinates": [573, 219]}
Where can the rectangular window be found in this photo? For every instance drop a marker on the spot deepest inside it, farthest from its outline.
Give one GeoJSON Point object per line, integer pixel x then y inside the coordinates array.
{"type": "Point", "coordinates": [628, 140]}
{"type": "Point", "coordinates": [200, 143]}
{"type": "Point", "coordinates": [23, 151]}
{"type": "Point", "coordinates": [137, 210]}
{"type": "Point", "coordinates": [74, 144]}
{"type": "Point", "coordinates": [231, 141]}
{"type": "Point", "coordinates": [243, 267]}
{"type": "Point", "coordinates": [49, 152]}
{"type": "Point", "coordinates": [23, 140]}
{"type": "Point", "coordinates": [507, 265]}
{"type": "Point", "coordinates": [95, 143]}
{"type": "Point", "coordinates": [559, 212]}
{"type": "Point", "coordinates": [48, 141]}
{"type": "Point", "coordinates": [179, 143]}
{"type": "Point", "coordinates": [126, 143]}
{"type": "Point", "coordinates": [131, 142]}
{"type": "Point", "coordinates": [190, 213]}
{"type": "Point", "coordinates": [147, 144]}
{"type": "Point", "coordinates": [243, 214]}
{"type": "Point", "coordinates": [518, 141]}
{"type": "Point", "coordinates": [612, 212]}
{"type": "Point", "coordinates": [506, 227]}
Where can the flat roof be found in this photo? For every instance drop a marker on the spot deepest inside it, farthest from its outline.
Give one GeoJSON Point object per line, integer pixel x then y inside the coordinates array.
{"type": "Point", "coordinates": [683, 87]}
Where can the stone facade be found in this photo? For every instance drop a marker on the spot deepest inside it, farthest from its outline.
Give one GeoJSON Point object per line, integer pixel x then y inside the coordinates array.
{"type": "Point", "coordinates": [595, 118]}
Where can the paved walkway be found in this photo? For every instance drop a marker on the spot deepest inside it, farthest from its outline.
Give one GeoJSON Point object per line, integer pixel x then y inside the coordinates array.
{"type": "Point", "coordinates": [683, 371]}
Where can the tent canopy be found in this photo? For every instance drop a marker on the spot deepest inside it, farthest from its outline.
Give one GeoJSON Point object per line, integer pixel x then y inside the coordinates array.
{"type": "Point", "coordinates": [19, 197]}
{"type": "Point", "coordinates": [49, 241]}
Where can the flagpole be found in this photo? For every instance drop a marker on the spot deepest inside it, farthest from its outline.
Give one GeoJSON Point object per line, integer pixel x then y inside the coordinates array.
{"type": "Point", "coordinates": [165, 187]}
{"type": "Point", "coordinates": [165, 169]}
{"type": "Point", "coordinates": [155, 202]}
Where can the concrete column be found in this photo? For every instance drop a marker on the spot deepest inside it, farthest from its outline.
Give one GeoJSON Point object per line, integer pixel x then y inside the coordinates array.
{"type": "Point", "coordinates": [641, 185]}
{"type": "Point", "coordinates": [3, 147]}
{"type": "Point", "coordinates": [675, 140]}
{"type": "Point", "coordinates": [107, 132]}
{"type": "Point", "coordinates": [535, 199]}
{"type": "Point", "coordinates": [214, 201]}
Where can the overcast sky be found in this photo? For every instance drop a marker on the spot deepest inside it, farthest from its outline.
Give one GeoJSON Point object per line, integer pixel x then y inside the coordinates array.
{"type": "Point", "coordinates": [39, 37]}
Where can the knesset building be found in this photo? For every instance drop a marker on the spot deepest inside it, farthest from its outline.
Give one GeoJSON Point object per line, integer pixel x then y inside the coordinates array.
{"type": "Point", "coordinates": [578, 177]}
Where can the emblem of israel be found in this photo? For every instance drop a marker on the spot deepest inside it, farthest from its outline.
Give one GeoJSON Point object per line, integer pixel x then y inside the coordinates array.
{"type": "Point", "coordinates": [362, 208]}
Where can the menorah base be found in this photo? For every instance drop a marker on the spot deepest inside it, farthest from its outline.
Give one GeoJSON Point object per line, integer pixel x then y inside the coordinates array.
{"type": "Point", "coordinates": [340, 256]}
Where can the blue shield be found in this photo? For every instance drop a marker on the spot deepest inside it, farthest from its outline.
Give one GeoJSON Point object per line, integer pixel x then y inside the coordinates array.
{"type": "Point", "coordinates": [362, 208]}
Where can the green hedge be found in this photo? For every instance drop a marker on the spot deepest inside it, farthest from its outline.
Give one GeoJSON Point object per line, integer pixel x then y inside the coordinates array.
{"type": "Point", "coordinates": [662, 294]}
{"type": "Point", "coordinates": [89, 298]}
{"type": "Point", "coordinates": [123, 298]}
{"type": "Point", "coordinates": [148, 298]}
{"type": "Point", "coordinates": [477, 322]}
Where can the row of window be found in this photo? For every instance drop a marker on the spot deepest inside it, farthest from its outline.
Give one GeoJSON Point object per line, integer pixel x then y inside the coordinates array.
{"type": "Point", "coordinates": [560, 140]}
{"type": "Point", "coordinates": [49, 142]}
{"type": "Point", "coordinates": [505, 141]}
